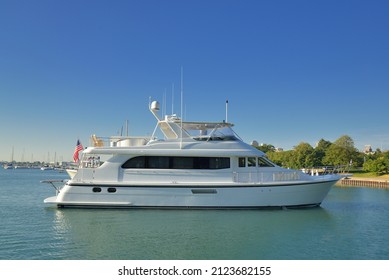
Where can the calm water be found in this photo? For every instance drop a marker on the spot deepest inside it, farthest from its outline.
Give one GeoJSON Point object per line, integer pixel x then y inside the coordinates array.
{"type": "Point", "coordinates": [352, 223]}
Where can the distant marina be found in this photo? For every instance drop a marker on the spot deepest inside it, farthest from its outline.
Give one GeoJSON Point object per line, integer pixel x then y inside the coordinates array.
{"type": "Point", "coordinates": [43, 165]}
{"type": "Point", "coordinates": [58, 166]}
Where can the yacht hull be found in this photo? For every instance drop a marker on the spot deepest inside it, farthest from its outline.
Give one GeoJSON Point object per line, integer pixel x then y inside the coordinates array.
{"type": "Point", "coordinates": [105, 195]}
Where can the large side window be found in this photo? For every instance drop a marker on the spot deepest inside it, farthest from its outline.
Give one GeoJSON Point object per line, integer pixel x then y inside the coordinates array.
{"type": "Point", "coordinates": [158, 162]}
{"type": "Point", "coordinates": [136, 162]}
{"type": "Point", "coordinates": [170, 162]}
{"type": "Point", "coordinates": [182, 163]}
{"type": "Point", "coordinates": [219, 163]}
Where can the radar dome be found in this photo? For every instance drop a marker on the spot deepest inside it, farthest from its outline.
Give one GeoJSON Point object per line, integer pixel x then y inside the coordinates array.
{"type": "Point", "coordinates": [154, 106]}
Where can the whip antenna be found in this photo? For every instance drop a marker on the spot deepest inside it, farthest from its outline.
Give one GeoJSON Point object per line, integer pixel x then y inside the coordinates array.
{"type": "Point", "coordinates": [227, 111]}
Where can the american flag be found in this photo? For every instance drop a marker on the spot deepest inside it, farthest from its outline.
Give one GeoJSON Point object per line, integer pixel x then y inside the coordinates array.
{"type": "Point", "coordinates": [78, 148]}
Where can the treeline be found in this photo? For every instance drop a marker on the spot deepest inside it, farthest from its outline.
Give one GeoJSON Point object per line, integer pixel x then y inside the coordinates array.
{"type": "Point", "coordinates": [342, 152]}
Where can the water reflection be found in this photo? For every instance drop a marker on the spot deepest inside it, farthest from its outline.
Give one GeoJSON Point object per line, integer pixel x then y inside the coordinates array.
{"type": "Point", "coordinates": [190, 234]}
{"type": "Point", "coordinates": [345, 227]}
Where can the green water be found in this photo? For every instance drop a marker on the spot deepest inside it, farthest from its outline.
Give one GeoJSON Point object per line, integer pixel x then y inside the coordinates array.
{"type": "Point", "coordinates": [352, 223]}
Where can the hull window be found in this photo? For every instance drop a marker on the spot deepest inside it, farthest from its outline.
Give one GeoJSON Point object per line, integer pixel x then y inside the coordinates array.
{"type": "Point", "coordinates": [96, 189]}
{"type": "Point", "coordinates": [111, 190]}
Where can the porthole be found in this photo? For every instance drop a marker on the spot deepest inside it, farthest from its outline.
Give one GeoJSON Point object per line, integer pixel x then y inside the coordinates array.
{"type": "Point", "coordinates": [96, 189]}
{"type": "Point", "coordinates": [111, 190]}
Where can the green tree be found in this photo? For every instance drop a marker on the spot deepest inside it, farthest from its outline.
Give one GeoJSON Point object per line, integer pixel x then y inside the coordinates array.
{"type": "Point", "coordinates": [377, 166]}
{"type": "Point", "coordinates": [377, 163]}
{"type": "Point", "coordinates": [320, 151]}
{"type": "Point", "coordinates": [281, 158]}
{"type": "Point", "coordinates": [342, 152]}
{"type": "Point", "coordinates": [386, 159]}
{"type": "Point", "coordinates": [303, 156]}
{"type": "Point", "coordinates": [266, 148]}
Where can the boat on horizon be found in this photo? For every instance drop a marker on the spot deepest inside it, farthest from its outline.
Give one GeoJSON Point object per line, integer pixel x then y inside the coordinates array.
{"type": "Point", "coordinates": [196, 165]}
{"type": "Point", "coordinates": [47, 167]}
{"type": "Point", "coordinates": [8, 165]}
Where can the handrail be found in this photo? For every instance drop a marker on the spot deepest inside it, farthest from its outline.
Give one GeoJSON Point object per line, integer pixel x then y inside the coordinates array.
{"type": "Point", "coordinates": [328, 169]}
{"type": "Point", "coordinates": [121, 141]}
{"type": "Point", "coordinates": [266, 177]}
{"type": "Point", "coordinates": [52, 183]}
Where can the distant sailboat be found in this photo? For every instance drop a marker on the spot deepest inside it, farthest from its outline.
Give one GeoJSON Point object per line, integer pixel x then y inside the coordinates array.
{"type": "Point", "coordinates": [9, 165]}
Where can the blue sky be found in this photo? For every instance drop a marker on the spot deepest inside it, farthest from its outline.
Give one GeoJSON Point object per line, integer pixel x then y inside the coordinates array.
{"type": "Point", "coordinates": [293, 71]}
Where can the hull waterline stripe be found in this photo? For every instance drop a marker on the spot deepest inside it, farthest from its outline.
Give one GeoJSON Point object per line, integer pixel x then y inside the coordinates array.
{"type": "Point", "coordinates": [99, 206]}
{"type": "Point", "coordinates": [252, 185]}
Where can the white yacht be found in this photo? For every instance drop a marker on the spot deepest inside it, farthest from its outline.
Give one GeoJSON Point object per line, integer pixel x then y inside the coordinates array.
{"type": "Point", "coordinates": [196, 165]}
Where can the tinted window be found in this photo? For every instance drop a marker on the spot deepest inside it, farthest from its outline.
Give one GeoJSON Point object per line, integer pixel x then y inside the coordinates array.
{"type": "Point", "coordinates": [262, 162]}
{"type": "Point", "coordinates": [251, 161]}
{"type": "Point", "coordinates": [182, 162]}
{"type": "Point", "coordinates": [219, 163]}
{"type": "Point", "coordinates": [166, 162]}
{"type": "Point", "coordinates": [242, 162]}
{"type": "Point", "coordinates": [158, 162]}
{"type": "Point", "coordinates": [136, 162]}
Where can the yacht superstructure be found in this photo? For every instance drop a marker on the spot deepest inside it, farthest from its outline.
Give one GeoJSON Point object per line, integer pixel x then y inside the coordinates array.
{"type": "Point", "coordinates": [196, 165]}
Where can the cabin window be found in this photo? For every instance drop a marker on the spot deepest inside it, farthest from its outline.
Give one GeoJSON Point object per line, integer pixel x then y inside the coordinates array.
{"type": "Point", "coordinates": [136, 162]}
{"type": "Point", "coordinates": [182, 163]}
{"type": "Point", "coordinates": [262, 162]}
{"type": "Point", "coordinates": [251, 162]}
{"type": "Point", "coordinates": [158, 162]}
{"type": "Point", "coordinates": [242, 162]}
{"type": "Point", "coordinates": [170, 162]}
{"type": "Point", "coordinates": [219, 163]}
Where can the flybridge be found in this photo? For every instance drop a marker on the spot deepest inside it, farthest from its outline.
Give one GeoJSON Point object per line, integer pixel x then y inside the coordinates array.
{"type": "Point", "coordinates": [174, 128]}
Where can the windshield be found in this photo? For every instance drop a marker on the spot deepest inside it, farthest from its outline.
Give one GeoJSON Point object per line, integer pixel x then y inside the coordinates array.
{"type": "Point", "coordinates": [210, 131]}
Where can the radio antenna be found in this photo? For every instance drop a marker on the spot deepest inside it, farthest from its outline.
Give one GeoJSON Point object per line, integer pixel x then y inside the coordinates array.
{"type": "Point", "coordinates": [172, 98]}
{"type": "Point", "coordinates": [227, 111]}
{"type": "Point", "coordinates": [182, 100]}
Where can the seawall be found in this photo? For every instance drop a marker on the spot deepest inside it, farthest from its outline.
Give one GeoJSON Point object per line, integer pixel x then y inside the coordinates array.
{"type": "Point", "coordinates": [364, 182]}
